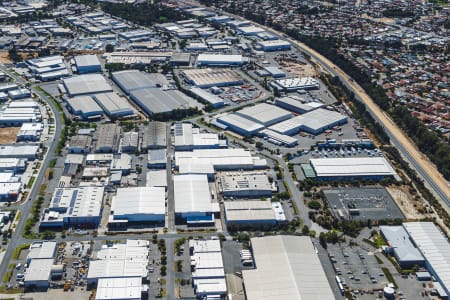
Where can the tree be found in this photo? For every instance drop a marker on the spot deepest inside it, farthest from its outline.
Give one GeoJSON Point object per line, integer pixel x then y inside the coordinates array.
{"type": "Point", "coordinates": [314, 205]}
{"type": "Point", "coordinates": [305, 230]}
{"type": "Point", "coordinates": [109, 48]}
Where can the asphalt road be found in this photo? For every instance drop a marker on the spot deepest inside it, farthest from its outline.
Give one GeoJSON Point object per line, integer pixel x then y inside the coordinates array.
{"type": "Point", "coordinates": [426, 169]}
{"type": "Point", "coordinates": [17, 238]}
{"type": "Point", "coordinates": [170, 278]}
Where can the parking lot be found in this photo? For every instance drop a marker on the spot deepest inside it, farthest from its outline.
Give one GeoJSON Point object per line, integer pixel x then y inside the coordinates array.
{"type": "Point", "coordinates": [357, 268]}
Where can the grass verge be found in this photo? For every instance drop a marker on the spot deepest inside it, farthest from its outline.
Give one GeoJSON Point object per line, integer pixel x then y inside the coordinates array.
{"type": "Point", "coordinates": [389, 276]}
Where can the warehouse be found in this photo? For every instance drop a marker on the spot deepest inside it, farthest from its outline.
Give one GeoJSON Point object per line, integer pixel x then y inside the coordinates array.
{"type": "Point", "coordinates": [190, 167]}
{"type": "Point", "coordinates": [352, 168]}
{"type": "Point", "coordinates": [206, 78]}
{"type": "Point", "coordinates": [14, 165]}
{"type": "Point", "coordinates": [122, 164]}
{"type": "Point", "coordinates": [87, 64]}
{"type": "Point", "coordinates": [250, 30]}
{"type": "Point", "coordinates": [314, 122]}
{"type": "Point", "coordinates": [193, 203]}
{"type": "Point", "coordinates": [295, 84]}
{"type": "Point", "coordinates": [86, 85]}
{"type": "Point", "coordinates": [401, 247]}
{"type": "Point", "coordinates": [274, 45]}
{"type": "Point", "coordinates": [295, 104]}
{"type": "Point", "coordinates": [19, 94]}
{"type": "Point", "coordinates": [157, 158]}
{"type": "Point", "coordinates": [212, 99]}
{"type": "Point", "coordinates": [48, 68]}
{"type": "Point", "coordinates": [265, 114]}
{"type": "Point", "coordinates": [128, 288]}
{"type": "Point", "coordinates": [278, 138]}
{"type": "Point", "coordinates": [133, 80]}
{"type": "Point", "coordinates": [180, 59]}
{"type": "Point", "coordinates": [27, 151]}
{"type": "Point", "coordinates": [244, 185]}
{"type": "Point", "coordinates": [435, 248]}
{"type": "Point", "coordinates": [253, 214]}
{"type": "Point", "coordinates": [41, 250]}
{"type": "Point", "coordinates": [156, 100]}
{"type": "Point", "coordinates": [114, 105]}
{"type": "Point", "coordinates": [85, 107]}
{"type": "Point", "coordinates": [362, 204]}
{"type": "Point", "coordinates": [16, 116]}
{"type": "Point", "coordinates": [23, 104]}
{"type": "Point", "coordinates": [206, 59]}
{"type": "Point", "coordinates": [108, 137]}
{"type": "Point", "coordinates": [79, 207]}
{"type": "Point", "coordinates": [221, 159]}
{"type": "Point", "coordinates": [138, 206]}
{"type": "Point", "coordinates": [125, 260]}
{"type": "Point", "coordinates": [38, 274]}
{"type": "Point", "coordinates": [188, 138]}
{"type": "Point", "coordinates": [9, 191]}
{"type": "Point", "coordinates": [154, 136]}
{"type": "Point", "coordinates": [156, 178]}
{"type": "Point", "coordinates": [275, 72]}
{"type": "Point", "coordinates": [239, 124]}
{"type": "Point", "coordinates": [130, 142]}
{"type": "Point", "coordinates": [208, 274]}
{"type": "Point", "coordinates": [30, 132]}
{"type": "Point", "coordinates": [297, 273]}
{"type": "Point", "coordinates": [80, 144]}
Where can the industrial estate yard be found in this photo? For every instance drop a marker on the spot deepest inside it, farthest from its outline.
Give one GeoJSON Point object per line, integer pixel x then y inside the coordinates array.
{"type": "Point", "coordinates": [202, 157]}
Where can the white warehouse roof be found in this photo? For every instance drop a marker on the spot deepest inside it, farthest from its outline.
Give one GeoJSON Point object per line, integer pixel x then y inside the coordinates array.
{"type": "Point", "coordinates": [86, 84]}
{"type": "Point", "coordinates": [192, 194]}
{"type": "Point", "coordinates": [434, 246]}
{"type": "Point", "coordinates": [119, 288]}
{"type": "Point", "coordinates": [265, 114]}
{"type": "Point", "coordinates": [352, 166]}
{"type": "Point", "coordinates": [287, 268]}
{"type": "Point", "coordinates": [139, 200]}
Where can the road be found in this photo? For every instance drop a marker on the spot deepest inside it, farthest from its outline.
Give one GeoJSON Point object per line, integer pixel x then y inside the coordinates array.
{"type": "Point", "coordinates": [425, 168]}
{"type": "Point", "coordinates": [17, 238]}
{"type": "Point", "coordinates": [170, 282]}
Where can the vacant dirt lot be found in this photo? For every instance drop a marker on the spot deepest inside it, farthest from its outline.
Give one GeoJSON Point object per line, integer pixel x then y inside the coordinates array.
{"type": "Point", "coordinates": [8, 135]}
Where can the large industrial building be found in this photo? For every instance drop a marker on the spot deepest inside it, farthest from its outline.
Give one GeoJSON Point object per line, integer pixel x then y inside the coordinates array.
{"type": "Point", "coordinates": [133, 80]}
{"type": "Point", "coordinates": [154, 136]}
{"type": "Point", "coordinates": [86, 85]}
{"type": "Point", "coordinates": [208, 274]}
{"type": "Point", "coordinates": [85, 107]}
{"type": "Point", "coordinates": [247, 185]}
{"type": "Point", "coordinates": [125, 260]}
{"type": "Point", "coordinates": [295, 84]}
{"type": "Point", "coordinates": [286, 267]}
{"type": "Point", "coordinates": [193, 201]}
{"type": "Point", "coordinates": [296, 105]}
{"type": "Point", "coordinates": [253, 214]}
{"type": "Point", "coordinates": [156, 178]}
{"type": "Point", "coordinates": [206, 59]}
{"type": "Point", "coordinates": [274, 45]}
{"type": "Point", "coordinates": [87, 64]}
{"type": "Point", "coordinates": [213, 100]}
{"type": "Point", "coordinates": [137, 206]}
{"type": "Point", "coordinates": [349, 168]}
{"type": "Point", "coordinates": [435, 248]}
{"type": "Point", "coordinates": [28, 151]}
{"type": "Point", "coordinates": [114, 105]}
{"type": "Point", "coordinates": [48, 68]}
{"type": "Point", "coordinates": [129, 288]}
{"type": "Point", "coordinates": [220, 159]}
{"type": "Point", "coordinates": [206, 78]}
{"type": "Point", "coordinates": [157, 158]}
{"type": "Point", "coordinates": [401, 247]}
{"type": "Point", "coordinates": [108, 138]}
{"type": "Point", "coordinates": [265, 114]}
{"type": "Point", "coordinates": [156, 100]}
{"type": "Point", "coordinates": [188, 138]}
{"type": "Point", "coordinates": [314, 122]}
{"type": "Point", "coordinates": [79, 207]}
{"type": "Point", "coordinates": [239, 124]}
{"type": "Point", "coordinates": [38, 274]}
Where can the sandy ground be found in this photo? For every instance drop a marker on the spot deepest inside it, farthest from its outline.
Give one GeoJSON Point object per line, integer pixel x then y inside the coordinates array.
{"type": "Point", "coordinates": [428, 167]}
{"type": "Point", "coordinates": [4, 57]}
{"type": "Point", "coordinates": [8, 135]}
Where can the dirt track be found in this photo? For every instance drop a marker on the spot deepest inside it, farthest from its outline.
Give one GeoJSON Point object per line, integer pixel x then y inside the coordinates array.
{"type": "Point", "coordinates": [428, 167]}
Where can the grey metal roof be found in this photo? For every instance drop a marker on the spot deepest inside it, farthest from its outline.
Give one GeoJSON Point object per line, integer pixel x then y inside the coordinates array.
{"type": "Point", "coordinates": [132, 80]}
{"type": "Point", "coordinates": [155, 100]}
{"type": "Point", "coordinates": [398, 238]}
{"type": "Point", "coordinates": [87, 60]}
{"type": "Point", "coordinates": [86, 84]}
{"type": "Point", "coordinates": [155, 135]}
